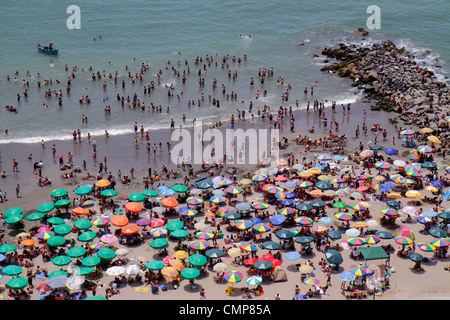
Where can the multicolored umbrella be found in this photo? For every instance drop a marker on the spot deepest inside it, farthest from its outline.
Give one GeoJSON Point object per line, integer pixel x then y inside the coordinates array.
{"type": "Point", "coordinates": [286, 211]}
{"type": "Point", "coordinates": [234, 190]}
{"type": "Point", "coordinates": [425, 149]}
{"type": "Point", "coordinates": [243, 224]}
{"type": "Point", "coordinates": [343, 216]}
{"type": "Point", "coordinates": [304, 221]}
{"type": "Point", "coordinates": [233, 276]}
{"type": "Point", "coordinates": [194, 201]}
{"type": "Point", "coordinates": [359, 271]}
{"type": "Point", "coordinates": [97, 245]}
{"type": "Point", "coordinates": [427, 247]}
{"type": "Point", "coordinates": [311, 281]}
{"type": "Point", "coordinates": [356, 241]}
{"type": "Point", "coordinates": [199, 245]}
{"type": "Point", "coordinates": [218, 199]}
{"type": "Point", "coordinates": [441, 243]}
{"type": "Point", "coordinates": [260, 206]}
{"type": "Point", "coordinates": [390, 212]}
{"type": "Point", "coordinates": [45, 235]}
{"type": "Point", "coordinates": [248, 248]}
{"type": "Point", "coordinates": [403, 240]}
{"type": "Point", "coordinates": [372, 239]}
{"type": "Point", "coordinates": [261, 227]}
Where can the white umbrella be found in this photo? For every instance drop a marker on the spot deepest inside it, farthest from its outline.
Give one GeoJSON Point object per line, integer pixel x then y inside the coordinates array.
{"type": "Point", "coordinates": [352, 232]}
{"type": "Point", "coordinates": [108, 238]}
{"type": "Point", "coordinates": [158, 209]}
{"type": "Point", "coordinates": [75, 282]}
{"type": "Point", "coordinates": [199, 226]}
{"type": "Point", "coordinates": [121, 251]}
{"type": "Point", "coordinates": [399, 163]}
{"type": "Point", "coordinates": [132, 270]}
{"type": "Point", "coordinates": [220, 267]}
{"type": "Point", "coordinates": [58, 282]}
{"type": "Point", "coordinates": [372, 225]}
{"type": "Point", "coordinates": [115, 271]}
{"type": "Point", "coordinates": [196, 191]}
{"type": "Point", "coordinates": [255, 280]}
{"type": "Point", "coordinates": [408, 210]}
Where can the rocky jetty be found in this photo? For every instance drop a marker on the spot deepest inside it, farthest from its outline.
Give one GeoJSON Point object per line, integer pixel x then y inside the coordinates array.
{"type": "Point", "coordinates": [391, 77]}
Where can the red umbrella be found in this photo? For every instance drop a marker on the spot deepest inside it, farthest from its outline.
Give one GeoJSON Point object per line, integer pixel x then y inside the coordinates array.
{"type": "Point", "coordinates": [43, 287]}
{"type": "Point", "coordinates": [156, 223]}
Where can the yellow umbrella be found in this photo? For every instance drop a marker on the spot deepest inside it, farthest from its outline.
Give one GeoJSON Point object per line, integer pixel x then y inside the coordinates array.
{"type": "Point", "coordinates": [305, 174]}
{"type": "Point", "coordinates": [426, 130]}
{"type": "Point", "coordinates": [432, 188]}
{"type": "Point", "coordinates": [177, 264]}
{"type": "Point", "coordinates": [169, 272]}
{"type": "Point", "coordinates": [434, 139]}
{"type": "Point", "coordinates": [102, 183]}
{"type": "Point", "coordinates": [413, 194]}
{"type": "Point", "coordinates": [234, 252]}
{"type": "Point", "coordinates": [360, 224]}
{"type": "Point", "coordinates": [323, 177]}
{"type": "Point", "coordinates": [180, 254]}
{"type": "Point", "coordinates": [394, 195]}
{"type": "Point", "coordinates": [317, 193]}
{"type": "Point", "coordinates": [315, 170]}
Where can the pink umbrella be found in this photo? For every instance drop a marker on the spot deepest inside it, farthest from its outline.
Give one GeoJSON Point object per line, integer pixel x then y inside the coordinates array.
{"type": "Point", "coordinates": [108, 238]}
{"type": "Point", "coordinates": [43, 229]}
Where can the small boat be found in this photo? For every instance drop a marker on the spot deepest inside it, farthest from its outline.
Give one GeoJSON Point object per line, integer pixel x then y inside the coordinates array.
{"type": "Point", "coordinates": [48, 49]}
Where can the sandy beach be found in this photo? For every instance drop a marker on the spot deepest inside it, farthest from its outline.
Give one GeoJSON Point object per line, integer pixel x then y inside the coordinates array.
{"type": "Point", "coordinates": [122, 155]}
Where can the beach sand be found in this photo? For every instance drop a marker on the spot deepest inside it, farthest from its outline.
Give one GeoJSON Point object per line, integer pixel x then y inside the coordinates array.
{"type": "Point", "coordinates": [122, 155]}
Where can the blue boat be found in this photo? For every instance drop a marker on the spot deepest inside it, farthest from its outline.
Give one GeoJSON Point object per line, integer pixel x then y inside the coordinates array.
{"type": "Point", "coordinates": [48, 49]}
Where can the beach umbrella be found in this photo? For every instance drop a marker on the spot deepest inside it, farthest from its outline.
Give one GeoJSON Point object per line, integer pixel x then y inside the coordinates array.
{"type": "Point", "coordinates": [214, 253]}
{"type": "Point", "coordinates": [194, 201]}
{"type": "Point", "coordinates": [174, 224]}
{"type": "Point", "coordinates": [197, 260]}
{"type": "Point", "coordinates": [384, 234]}
{"type": "Point", "coordinates": [306, 268]}
{"type": "Point", "coordinates": [17, 283]}
{"type": "Point", "coordinates": [292, 255]}
{"type": "Point", "coordinates": [326, 220]}
{"type": "Point", "coordinates": [318, 204]}
{"type": "Point", "coordinates": [158, 232]}
{"type": "Point", "coordinates": [416, 257]}
{"type": "Point", "coordinates": [234, 252]}
{"type": "Point", "coordinates": [263, 265]}
{"type": "Point", "coordinates": [86, 236]}
{"type": "Point", "coordinates": [169, 202]}
{"type": "Point", "coordinates": [159, 243]}
{"type": "Point", "coordinates": [102, 183]}
{"type": "Point", "coordinates": [62, 203]}
{"type": "Point", "coordinates": [11, 211]}
{"type": "Point", "coordinates": [366, 153]}
{"type": "Point", "coordinates": [390, 151]}
{"type": "Point", "coordinates": [190, 273]}
{"type": "Point", "coordinates": [339, 205]}
{"type": "Point", "coordinates": [55, 220]}
{"type": "Point", "coordinates": [393, 203]}
{"type": "Point", "coordinates": [334, 257]}
{"type": "Point", "coordinates": [188, 213]}
{"type": "Point", "coordinates": [177, 264]}
{"type": "Point", "coordinates": [225, 183]}
{"type": "Point", "coordinates": [425, 149]}
{"type": "Point", "coordinates": [343, 216]}
{"type": "Point", "coordinates": [83, 190]}
{"type": "Point", "coordinates": [243, 206]}
{"type": "Point", "coordinates": [62, 229]}
{"type": "Point", "coordinates": [203, 235]}
{"type": "Point", "coordinates": [119, 221]}
{"type": "Point", "coordinates": [80, 211]}
{"type": "Point", "coordinates": [260, 206]}
{"type": "Point", "coordinates": [14, 218]}
{"type": "Point", "coordinates": [437, 232]}
{"type": "Point", "coordinates": [408, 210]}
{"type": "Point", "coordinates": [100, 222]}
{"type": "Point", "coordinates": [234, 190]}
{"type": "Point", "coordinates": [35, 216]}
{"type": "Point", "coordinates": [407, 132]}
{"type": "Point", "coordinates": [180, 188]}
{"type": "Point", "coordinates": [390, 212]}
{"type": "Point", "coordinates": [204, 184]}
{"type": "Point", "coordinates": [357, 206]}
{"type": "Point", "coordinates": [12, 270]}
{"type": "Point", "coordinates": [359, 271]}
{"type": "Point", "coordinates": [372, 239]}
{"type": "Point", "coordinates": [270, 245]}
{"type": "Point", "coordinates": [444, 215]}
{"type": "Point", "coordinates": [108, 238]}
{"type": "Point", "coordinates": [274, 190]}
{"type": "Point", "coordinates": [199, 244]}
{"type": "Point", "coordinates": [323, 185]}
{"type": "Point", "coordinates": [248, 248]}
{"type": "Point", "coordinates": [245, 182]}
{"type": "Point", "coordinates": [179, 234]}
{"type": "Point", "coordinates": [130, 229]}
{"type": "Point", "coordinates": [28, 242]}
{"type": "Point", "coordinates": [304, 207]}
{"type": "Point", "coordinates": [233, 276]}
{"type": "Point", "coordinates": [356, 241]}
{"type": "Point", "coordinates": [134, 207]}
{"type": "Point", "coordinates": [403, 240]}
{"type": "Point", "coordinates": [220, 267]}
{"type": "Point", "coordinates": [347, 276]}
{"type": "Point", "coordinates": [254, 280]}
{"type": "Point", "coordinates": [58, 193]}
{"type": "Point", "coordinates": [218, 199]}
{"type": "Point", "coordinates": [427, 247]}
{"type": "Point", "coordinates": [429, 213]}
{"type": "Point", "coordinates": [284, 234]}
{"type": "Point", "coordinates": [108, 193]}
{"type": "Point", "coordinates": [311, 281]}
{"type": "Point", "coordinates": [406, 233]}
{"type": "Point", "coordinates": [115, 271]}
{"type": "Point", "coordinates": [441, 243]}
{"type": "Point", "coordinates": [352, 232]}
{"type": "Point", "coordinates": [423, 219]}
{"type": "Point", "coordinates": [45, 207]}
{"type": "Point", "coordinates": [96, 245]}
{"type": "Point", "coordinates": [82, 224]}
{"type": "Point", "coordinates": [170, 272]}
{"type": "Point", "coordinates": [150, 193]}
{"type": "Point", "coordinates": [154, 265]}
{"type": "Point", "coordinates": [83, 271]}
{"type": "Point", "coordinates": [243, 224]}
{"type": "Point", "coordinates": [320, 229]}
{"type": "Point", "coordinates": [76, 252]}
{"type": "Point", "coordinates": [305, 184]}
{"type": "Point", "coordinates": [132, 270]}
{"type": "Point", "coordinates": [90, 261]}
{"type": "Point", "coordinates": [304, 221]}
{"type": "Point", "coordinates": [232, 216]}
{"type": "Point", "coordinates": [304, 239]}
{"type": "Point", "coordinates": [334, 234]}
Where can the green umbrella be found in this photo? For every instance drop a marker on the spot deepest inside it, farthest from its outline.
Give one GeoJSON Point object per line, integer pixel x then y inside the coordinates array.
{"type": "Point", "coordinates": [232, 216]}
{"type": "Point", "coordinates": [155, 265]}
{"type": "Point", "coordinates": [35, 216]}
{"type": "Point", "coordinates": [416, 257]}
{"type": "Point", "coordinates": [76, 252]}
{"type": "Point", "coordinates": [56, 241]}
{"type": "Point", "coordinates": [214, 253]}
{"type": "Point", "coordinates": [58, 193]}
{"type": "Point", "coordinates": [190, 273]}
{"type": "Point", "coordinates": [180, 188]}
{"type": "Point", "coordinates": [5, 248]}
{"type": "Point", "coordinates": [17, 283]}
{"type": "Point", "coordinates": [444, 215]}
{"type": "Point", "coordinates": [318, 204]}
{"type": "Point", "coordinates": [334, 234]}
{"type": "Point", "coordinates": [108, 193]}
{"type": "Point", "coordinates": [263, 265]}
{"type": "Point", "coordinates": [90, 261]}
{"type": "Point", "coordinates": [82, 224]}
{"type": "Point", "coordinates": [197, 260]}
{"type": "Point", "coordinates": [45, 207]}
{"type": "Point", "coordinates": [56, 220]}
{"type": "Point", "coordinates": [429, 165]}
{"type": "Point", "coordinates": [159, 243]}
{"type": "Point", "coordinates": [304, 207]}
{"type": "Point", "coordinates": [83, 190]}
{"type": "Point", "coordinates": [106, 253]}
{"type": "Point", "coordinates": [204, 184]}
{"type": "Point", "coordinates": [14, 218]}
{"type": "Point", "coordinates": [150, 193]}
{"type": "Point", "coordinates": [393, 203]}
{"type": "Point", "coordinates": [179, 233]}
{"type": "Point", "coordinates": [95, 298]}
{"type": "Point", "coordinates": [12, 270]}
{"type": "Point", "coordinates": [304, 239]}
{"type": "Point", "coordinates": [334, 257]}
{"type": "Point", "coordinates": [339, 205]}
{"type": "Point", "coordinates": [62, 229]}
{"type": "Point", "coordinates": [384, 234]}
{"type": "Point", "coordinates": [87, 236]}
{"type": "Point", "coordinates": [270, 245]}
{"type": "Point", "coordinates": [13, 211]}
{"type": "Point", "coordinates": [323, 185]}
{"type": "Point", "coordinates": [83, 271]}
{"type": "Point", "coordinates": [437, 232]}
{"type": "Point", "coordinates": [62, 203]}
{"type": "Point", "coordinates": [58, 273]}
{"type": "Point", "coordinates": [61, 260]}
{"type": "Point", "coordinates": [174, 225]}
{"type": "Point", "coordinates": [136, 197]}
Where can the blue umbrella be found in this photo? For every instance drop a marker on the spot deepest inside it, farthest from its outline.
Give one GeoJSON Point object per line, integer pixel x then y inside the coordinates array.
{"type": "Point", "coordinates": [243, 206]}
{"type": "Point", "coordinates": [277, 219]}
{"type": "Point", "coordinates": [423, 219]}
{"type": "Point", "coordinates": [429, 213]}
{"type": "Point", "coordinates": [388, 185]}
{"type": "Point", "coordinates": [167, 192]}
{"type": "Point", "coordinates": [292, 255]}
{"type": "Point", "coordinates": [2, 257]}
{"type": "Point", "coordinates": [183, 209]}
{"type": "Point", "coordinates": [325, 220]}
{"type": "Point", "coordinates": [284, 234]}
{"type": "Point", "coordinates": [390, 151]}
{"type": "Point", "coordinates": [290, 195]}
{"type": "Point", "coordinates": [290, 184]}
{"type": "Point", "coordinates": [347, 276]}
{"type": "Point", "coordinates": [287, 202]}
{"type": "Point", "coordinates": [437, 183]}
{"type": "Point", "coordinates": [162, 188]}
{"type": "Point", "coordinates": [256, 220]}
{"type": "Point", "coordinates": [337, 157]}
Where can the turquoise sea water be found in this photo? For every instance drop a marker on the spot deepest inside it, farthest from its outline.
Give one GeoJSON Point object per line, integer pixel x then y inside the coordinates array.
{"type": "Point", "coordinates": [153, 32]}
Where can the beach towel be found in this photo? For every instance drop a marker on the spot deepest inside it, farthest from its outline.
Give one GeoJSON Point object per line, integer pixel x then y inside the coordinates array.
{"type": "Point", "coordinates": [141, 289]}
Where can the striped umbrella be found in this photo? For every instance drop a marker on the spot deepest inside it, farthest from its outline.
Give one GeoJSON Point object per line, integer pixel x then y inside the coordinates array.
{"type": "Point", "coordinates": [343, 216]}
{"type": "Point", "coordinates": [305, 184]}
{"type": "Point", "coordinates": [427, 247]}
{"type": "Point", "coordinates": [390, 212]}
{"type": "Point", "coordinates": [372, 239]}
{"type": "Point", "coordinates": [221, 212]}
{"type": "Point", "coordinates": [304, 221]}
{"type": "Point", "coordinates": [194, 201]}
{"type": "Point", "coordinates": [245, 182]}
{"type": "Point", "coordinates": [311, 281]}
{"type": "Point", "coordinates": [382, 165]}
{"type": "Point", "coordinates": [356, 241]}
{"type": "Point", "coordinates": [359, 271]}
{"type": "Point", "coordinates": [440, 243]}
{"type": "Point", "coordinates": [403, 240]}
{"type": "Point", "coordinates": [260, 206]}
{"type": "Point", "coordinates": [143, 222]}
{"type": "Point", "coordinates": [243, 224]}
{"type": "Point", "coordinates": [342, 193]}
{"type": "Point", "coordinates": [234, 252]}
{"type": "Point", "coordinates": [158, 232]}
{"type": "Point", "coordinates": [218, 199]}
{"type": "Point", "coordinates": [199, 244]}
{"type": "Point", "coordinates": [204, 235]}
{"type": "Point", "coordinates": [286, 211]}
{"type": "Point", "coordinates": [407, 132]}
{"type": "Point", "coordinates": [254, 280]}
{"type": "Point", "coordinates": [248, 248]}
{"type": "Point", "coordinates": [259, 177]}
{"type": "Point", "coordinates": [425, 149]}
{"type": "Point", "coordinates": [189, 213]}
{"type": "Point", "coordinates": [234, 190]}
{"type": "Point", "coordinates": [261, 227]}
{"type": "Point", "coordinates": [357, 206]}
{"type": "Point", "coordinates": [97, 245]}
{"type": "Point", "coordinates": [100, 222]}
{"type": "Point", "coordinates": [233, 276]}
{"type": "Point", "coordinates": [45, 235]}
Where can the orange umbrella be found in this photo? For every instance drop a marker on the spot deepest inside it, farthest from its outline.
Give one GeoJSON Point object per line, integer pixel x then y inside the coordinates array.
{"type": "Point", "coordinates": [134, 207]}
{"type": "Point", "coordinates": [80, 211]}
{"type": "Point", "coordinates": [119, 221]}
{"type": "Point", "coordinates": [28, 242]}
{"type": "Point", "coordinates": [209, 214]}
{"type": "Point", "coordinates": [169, 202]}
{"type": "Point", "coordinates": [130, 229]}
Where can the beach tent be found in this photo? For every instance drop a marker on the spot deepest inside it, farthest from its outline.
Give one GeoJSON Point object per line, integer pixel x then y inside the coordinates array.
{"type": "Point", "coordinates": [279, 275]}
{"type": "Point", "coordinates": [373, 253]}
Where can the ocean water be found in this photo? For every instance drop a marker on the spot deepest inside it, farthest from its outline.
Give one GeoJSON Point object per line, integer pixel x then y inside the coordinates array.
{"type": "Point", "coordinates": [155, 32]}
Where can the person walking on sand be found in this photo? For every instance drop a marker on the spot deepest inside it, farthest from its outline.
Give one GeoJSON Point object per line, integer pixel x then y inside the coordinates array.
{"type": "Point", "coordinates": [15, 165]}
{"type": "Point", "coordinates": [17, 190]}
{"type": "Point", "coordinates": [202, 294]}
